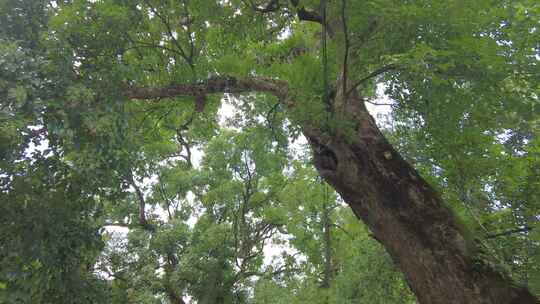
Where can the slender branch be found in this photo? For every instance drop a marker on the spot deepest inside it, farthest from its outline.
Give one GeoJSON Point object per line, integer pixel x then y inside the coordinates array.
{"type": "Point", "coordinates": [142, 203]}
{"type": "Point", "coordinates": [119, 224]}
{"type": "Point", "coordinates": [271, 121]}
{"type": "Point", "coordinates": [375, 73]}
{"type": "Point", "coordinates": [111, 274]}
{"type": "Point", "coordinates": [378, 103]}
{"type": "Point", "coordinates": [272, 112]}
{"type": "Point", "coordinates": [190, 35]}
{"type": "Point", "coordinates": [142, 44]}
{"type": "Point", "coordinates": [347, 233]}
{"type": "Point", "coordinates": [509, 232]}
{"type": "Point", "coordinates": [186, 146]}
{"type": "Point", "coordinates": [164, 196]}
{"type": "Point", "coordinates": [169, 29]}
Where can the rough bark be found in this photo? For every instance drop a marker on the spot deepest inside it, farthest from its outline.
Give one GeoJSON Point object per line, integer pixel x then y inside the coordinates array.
{"type": "Point", "coordinates": [406, 215]}
{"type": "Point", "coordinates": [211, 86]}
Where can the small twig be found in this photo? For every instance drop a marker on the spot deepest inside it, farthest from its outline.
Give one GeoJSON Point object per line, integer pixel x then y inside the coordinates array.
{"type": "Point", "coordinates": [378, 103]}
{"type": "Point", "coordinates": [119, 224]}
{"type": "Point", "coordinates": [509, 232]}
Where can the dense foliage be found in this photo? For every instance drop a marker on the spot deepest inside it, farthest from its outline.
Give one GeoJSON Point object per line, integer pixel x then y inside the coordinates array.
{"type": "Point", "coordinates": [110, 199]}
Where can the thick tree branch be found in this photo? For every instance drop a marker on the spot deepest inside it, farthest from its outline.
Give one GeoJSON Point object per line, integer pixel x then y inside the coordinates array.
{"type": "Point", "coordinates": [211, 86]}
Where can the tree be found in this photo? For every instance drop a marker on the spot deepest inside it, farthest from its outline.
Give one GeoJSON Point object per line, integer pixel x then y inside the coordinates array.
{"type": "Point", "coordinates": [343, 263]}
{"type": "Point", "coordinates": [50, 239]}
{"type": "Point", "coordinates": [186, 54]}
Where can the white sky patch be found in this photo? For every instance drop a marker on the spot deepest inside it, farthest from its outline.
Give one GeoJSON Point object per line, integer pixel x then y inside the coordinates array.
{"type": "Point", "coordinates": [123, 231]}
{"type": "Point", "coordinates": [226, 111]}
{"type": "Point", "coordinates": [381, 108]}
{"type": "Point", "coordinates": [40, 148]}
{"type": "Point", "coordinates": [273, 251]}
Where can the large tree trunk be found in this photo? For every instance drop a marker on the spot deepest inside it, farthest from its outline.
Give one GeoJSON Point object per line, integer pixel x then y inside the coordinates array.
{"type": "Point", "coordinates": [406, 215]}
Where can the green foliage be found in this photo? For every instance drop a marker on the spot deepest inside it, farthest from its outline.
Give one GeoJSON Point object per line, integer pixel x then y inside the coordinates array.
{"type": "Point", "coordinates": [49, 239]}
{"type": "Point", "coordinates": [77, 158]}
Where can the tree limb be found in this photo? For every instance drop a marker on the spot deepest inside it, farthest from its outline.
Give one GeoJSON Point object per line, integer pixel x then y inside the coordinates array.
{"type": "Point", "coordinates": [219, 84]}
{"type": "Point", "coordinates": [378, 103]}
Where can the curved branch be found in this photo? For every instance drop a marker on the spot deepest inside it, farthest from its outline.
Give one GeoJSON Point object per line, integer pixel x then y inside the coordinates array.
{"type": "Point", "coordinates": [375, 73]}
{"type": "Point", "coordinates": [116, 224]}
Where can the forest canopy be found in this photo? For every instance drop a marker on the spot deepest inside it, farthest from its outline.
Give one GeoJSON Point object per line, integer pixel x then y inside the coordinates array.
{"type": "Point", "coordinates": [205, 151]}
